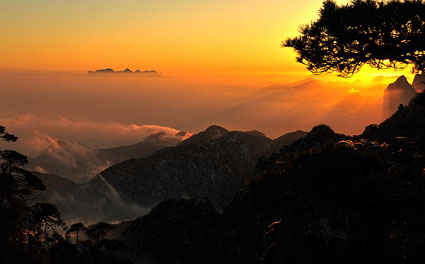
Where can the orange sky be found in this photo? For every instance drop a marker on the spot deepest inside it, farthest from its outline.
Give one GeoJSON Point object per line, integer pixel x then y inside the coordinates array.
{"type": "Point", "coordinates": [177, 38]}
{"type": "Point", "coordinates": [223, 58]}
{"type": "Point", "coordinates": [174, 37]}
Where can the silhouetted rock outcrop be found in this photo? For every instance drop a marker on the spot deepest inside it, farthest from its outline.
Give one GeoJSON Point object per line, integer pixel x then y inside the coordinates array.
{"type": "Point", "coordinates": [399, 92]}
{"type": "Point", "coordinates": [211, 133]}
{"type": "Point", "coordinates": [407, 122]}
{"type": "Point", "coordinates": [419, 82]}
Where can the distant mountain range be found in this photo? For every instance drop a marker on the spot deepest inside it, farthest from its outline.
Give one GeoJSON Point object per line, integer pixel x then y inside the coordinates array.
{"type": "Point", "coordinates": [303, 193]}
{"type": "Point", "coordinates": [214, 163]}
{"type": "Point", "coordinates": [126, 181]}
{"type": "Point", "coordinates": [127, 70]}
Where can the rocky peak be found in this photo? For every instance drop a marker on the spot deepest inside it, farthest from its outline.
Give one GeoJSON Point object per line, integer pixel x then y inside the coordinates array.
{"type": "Point", "coordinates": [399, 92]}
{"type": "Point", "coordinates": [400, 84]}
{"type": "Point", "coordinates": [288, 138]}
{"type": "Point", "coordinates": [419, 82]}
{"type": "Point", "coordinates": [211, 133]}
{"type": "Point", "coordinates": [214, 129]}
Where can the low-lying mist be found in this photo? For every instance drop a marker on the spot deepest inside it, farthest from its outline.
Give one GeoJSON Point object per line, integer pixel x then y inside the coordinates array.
{"type": "Point", "coordinates": [88, 203]}
{"type": "Point", "coordinates": [71, 116]}
{"type": "Point", "coordinates": [104, 111]}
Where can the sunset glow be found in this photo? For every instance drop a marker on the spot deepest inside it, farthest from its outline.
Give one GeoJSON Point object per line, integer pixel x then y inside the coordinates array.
{"type": "Point", "coordinates": [184, 37]}
{"type": "Point", "coordinates": [215, 131]}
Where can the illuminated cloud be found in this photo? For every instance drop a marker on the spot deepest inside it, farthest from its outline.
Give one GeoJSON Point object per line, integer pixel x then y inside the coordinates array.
{"type": "Point", "coordinates": [37, 134]}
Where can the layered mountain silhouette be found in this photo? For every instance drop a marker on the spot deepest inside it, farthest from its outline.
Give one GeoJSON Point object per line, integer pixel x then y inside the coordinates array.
{"type": "Point", "coordinates": [325, 198]}
{"type": "Point", "coordinates": [399, 92]}
{"type": "Point", "coordinates": [214, 163]}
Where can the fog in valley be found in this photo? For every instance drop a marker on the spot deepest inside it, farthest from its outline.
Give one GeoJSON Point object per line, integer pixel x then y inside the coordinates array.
{"type": "Point", "coordinates": [70, 124]}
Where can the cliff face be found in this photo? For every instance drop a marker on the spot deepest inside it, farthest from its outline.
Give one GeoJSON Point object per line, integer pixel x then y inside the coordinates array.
{"type": "Point", "coordinates": [214, 163]}
{"type": "Point", "coordinates": [399, 92]}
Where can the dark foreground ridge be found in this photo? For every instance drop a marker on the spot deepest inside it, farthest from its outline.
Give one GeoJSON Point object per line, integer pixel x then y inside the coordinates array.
{"type": "Point", "coordinates": [326, 198]}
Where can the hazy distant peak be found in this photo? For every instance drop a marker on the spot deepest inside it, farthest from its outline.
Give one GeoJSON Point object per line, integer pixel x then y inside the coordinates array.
{"type": "Point", "coordinates": [126, 70]}
{"type": "Point", "coordinates": [290, 137]}
{"type": "Point", "coordinates": [419, 82]}
{"type": "Point", "coordinates": [308, 82]}
{"type": "Point", "coordinates": [104, 70]}
{"type": "Point", "coordinates": [60, 145]}
{"type": "Point", "coordinates": [399, 92]}
{"type": "Point", "coordinates": [400, 83]}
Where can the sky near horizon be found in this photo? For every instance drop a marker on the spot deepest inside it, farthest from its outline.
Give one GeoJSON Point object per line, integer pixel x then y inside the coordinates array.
{"type": "Point", "coordinates": [221, 63]}
{"type": "Point", "coordinates": [174, 37]}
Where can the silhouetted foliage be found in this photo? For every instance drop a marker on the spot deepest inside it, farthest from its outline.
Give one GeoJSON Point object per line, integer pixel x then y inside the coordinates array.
{"type": "Point", "coordinates": [326, 198]}
{"type": "Point", "coordinates": [98, 231]}
{"type": "Point", "coordinates": [176, 232]}
{"type": "Point", "coordinates": [77, 227]}
{"type": "Point", "coordinates": [383, 34]}
{"type": "Point", "coordinates": [16, 186]}
{"type": "Point", "coordinates": [6, 136]}
{"type": "Point", "coordinates": [62, 252]}
{"type": "Point", "coordinates": [38, 228]}
{"type": "Point", "coordinates": [408, 121]}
